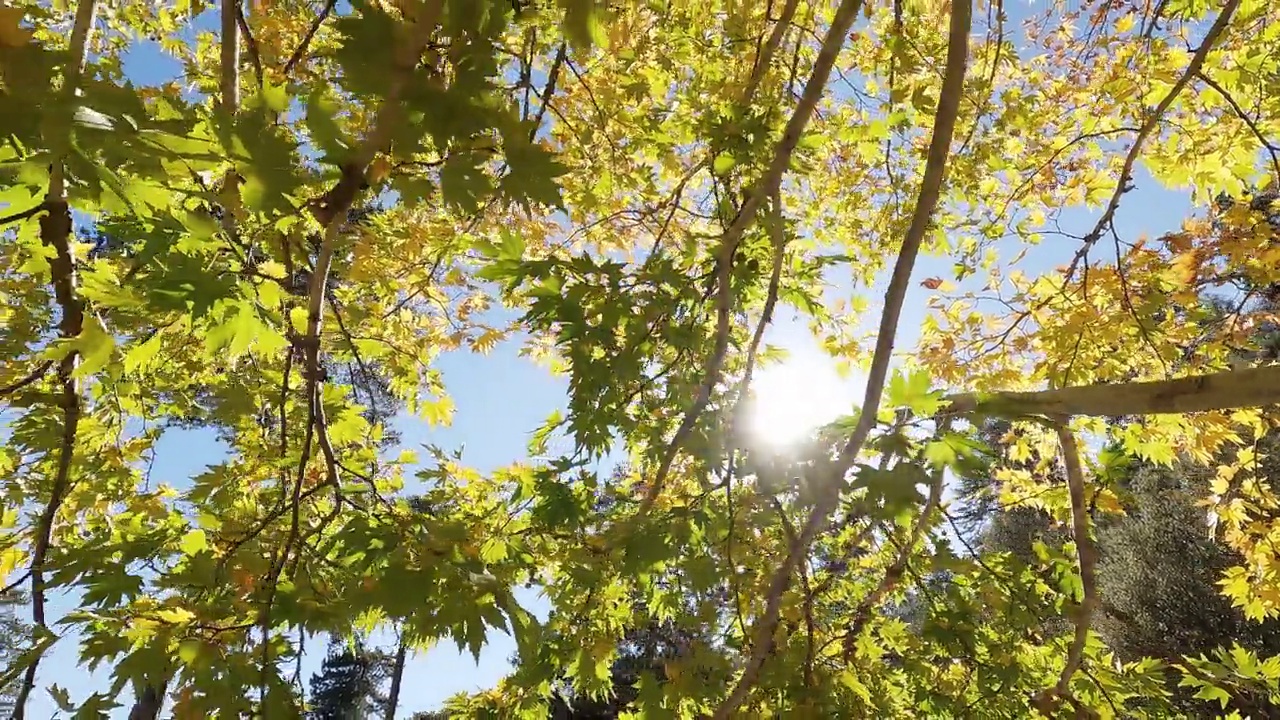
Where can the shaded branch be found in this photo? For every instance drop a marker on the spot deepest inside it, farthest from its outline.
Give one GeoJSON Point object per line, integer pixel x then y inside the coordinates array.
{"type": "Point", "coordinates": [829, 495]}
{"type": "Point", "coordinates": [27, 379]}
{"type": "Point", "coordinates": [250, 42]}
{"type": "Point", "coordinates": [22, 214]}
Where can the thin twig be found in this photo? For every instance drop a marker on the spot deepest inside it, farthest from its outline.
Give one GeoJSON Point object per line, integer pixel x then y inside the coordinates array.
{"type": "Point", "coordinates": [1124, 183]}
{"type": "Point", "coordinates": [893, 574]}
{"type": "Point", "coordinates": [813, 92]}
{"type": "Point", "coordinates": [777, 230]}
{"type": "Point", "coordinates": [922, 218]}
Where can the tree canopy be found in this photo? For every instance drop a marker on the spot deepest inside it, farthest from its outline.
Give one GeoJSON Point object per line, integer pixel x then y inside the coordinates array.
{"type": "Point", "coordinates": [278, 245]}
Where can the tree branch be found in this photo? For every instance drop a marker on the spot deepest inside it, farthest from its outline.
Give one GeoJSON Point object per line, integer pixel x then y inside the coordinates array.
{"type": "Point", "coordinates": [1148, 126]}
{"type": "Point", "coordinates": [552, 76]}
{"type": "Point", "coordinates": [765, 56]}
{"type": "Point", "coordinates": [27, 379]}
{"type": "Point", "coordinates": [813, 92]}
{"type": "Point", "coordinates": [1230, 390]}
{"type": "Point", "coordinates": [922, 217]}
{"type": "Point", "coordinates": [250, 42]}
{"type": "Point", "coordinates": [301, 50]}
{"type": "Point", "coordinates": [22, 214]}
{"type": "Point", "coordinates": [55, 231]}
{"type": "Point", "coordinates": [1088, 563]}
{"type": "Point", "coordinates": [1244, 117]}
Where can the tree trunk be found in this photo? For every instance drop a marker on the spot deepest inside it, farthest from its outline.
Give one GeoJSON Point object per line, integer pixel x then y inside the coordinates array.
{"type": "Point", "coordinates": [397, 672]}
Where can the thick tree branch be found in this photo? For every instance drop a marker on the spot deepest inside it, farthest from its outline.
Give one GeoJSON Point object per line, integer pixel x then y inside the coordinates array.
{"type": "Point", "coordinates": [229, 102]}
{"type": "Point", "coordinates": [771, 179]}
{"type": "Point", "coordinates": [55, 232]}
{"type": "Point", "coordinates": [229, 80]}
{"type": "Point", "coordinates": [922, 217]}
{"type": "Point", "coordinates": [1234, 389]}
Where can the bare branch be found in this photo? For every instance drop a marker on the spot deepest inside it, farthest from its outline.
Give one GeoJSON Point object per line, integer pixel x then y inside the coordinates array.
{"type": "Point", "coordinates": [55, 231]}
{"type": "Point", "coordinates": [813, 91]}
{"type": "Point", "coordinates": [922, 217]}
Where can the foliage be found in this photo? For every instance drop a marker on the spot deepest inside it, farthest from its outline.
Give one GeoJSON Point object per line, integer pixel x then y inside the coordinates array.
{"type": "Point", "coordinates": [349, 684]}
{"type": "Point", "coordinates": [14, 631]}
{"type": "Point", "coordinates": [288, 236]}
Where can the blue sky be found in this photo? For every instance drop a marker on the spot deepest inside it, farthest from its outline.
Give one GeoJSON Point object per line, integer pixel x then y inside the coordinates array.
{"type": "Point", "coordinates": [501, 397]}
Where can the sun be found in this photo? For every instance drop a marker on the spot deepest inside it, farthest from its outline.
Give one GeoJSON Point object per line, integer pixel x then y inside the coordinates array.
{"type": "Point", "coordinates": [792, 399]}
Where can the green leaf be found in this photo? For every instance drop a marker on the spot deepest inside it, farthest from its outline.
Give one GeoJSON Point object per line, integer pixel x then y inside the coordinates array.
{"type": "Point", "coordinates": [95, 345]}
{"type": "Point", "coordinates": [189, 651]}
{"type": "Point", "coordinates": [723, 163]}
{"type": "Point", "coordinates": [193, 542]}
{"type": "Point", "coordinates": [912, 391]}
{"type": "Point", "coordinates": [531, 179]}
{"type": "Point", "coordinates": [893, 489]}
{"type": "Point", "coordinates": [463, 184]}
{"type": "Point", "coordinates": [275, 97]}
{"type": "Point", "coordinates": [582, 23]}
{"type": "Point", "coordinates": [61, 697]}
{"type": "Point", "coordinates": [1213, 692]}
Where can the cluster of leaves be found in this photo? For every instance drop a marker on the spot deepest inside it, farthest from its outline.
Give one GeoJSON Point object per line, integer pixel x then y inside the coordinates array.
{"type": "Point", "coordinates": [276, 246]}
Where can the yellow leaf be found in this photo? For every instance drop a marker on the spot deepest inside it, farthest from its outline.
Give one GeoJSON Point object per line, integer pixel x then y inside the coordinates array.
{"type": "Point", "coordinates": [175, 616]}
{"type": "Point", "coordinates": [10, 558]}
